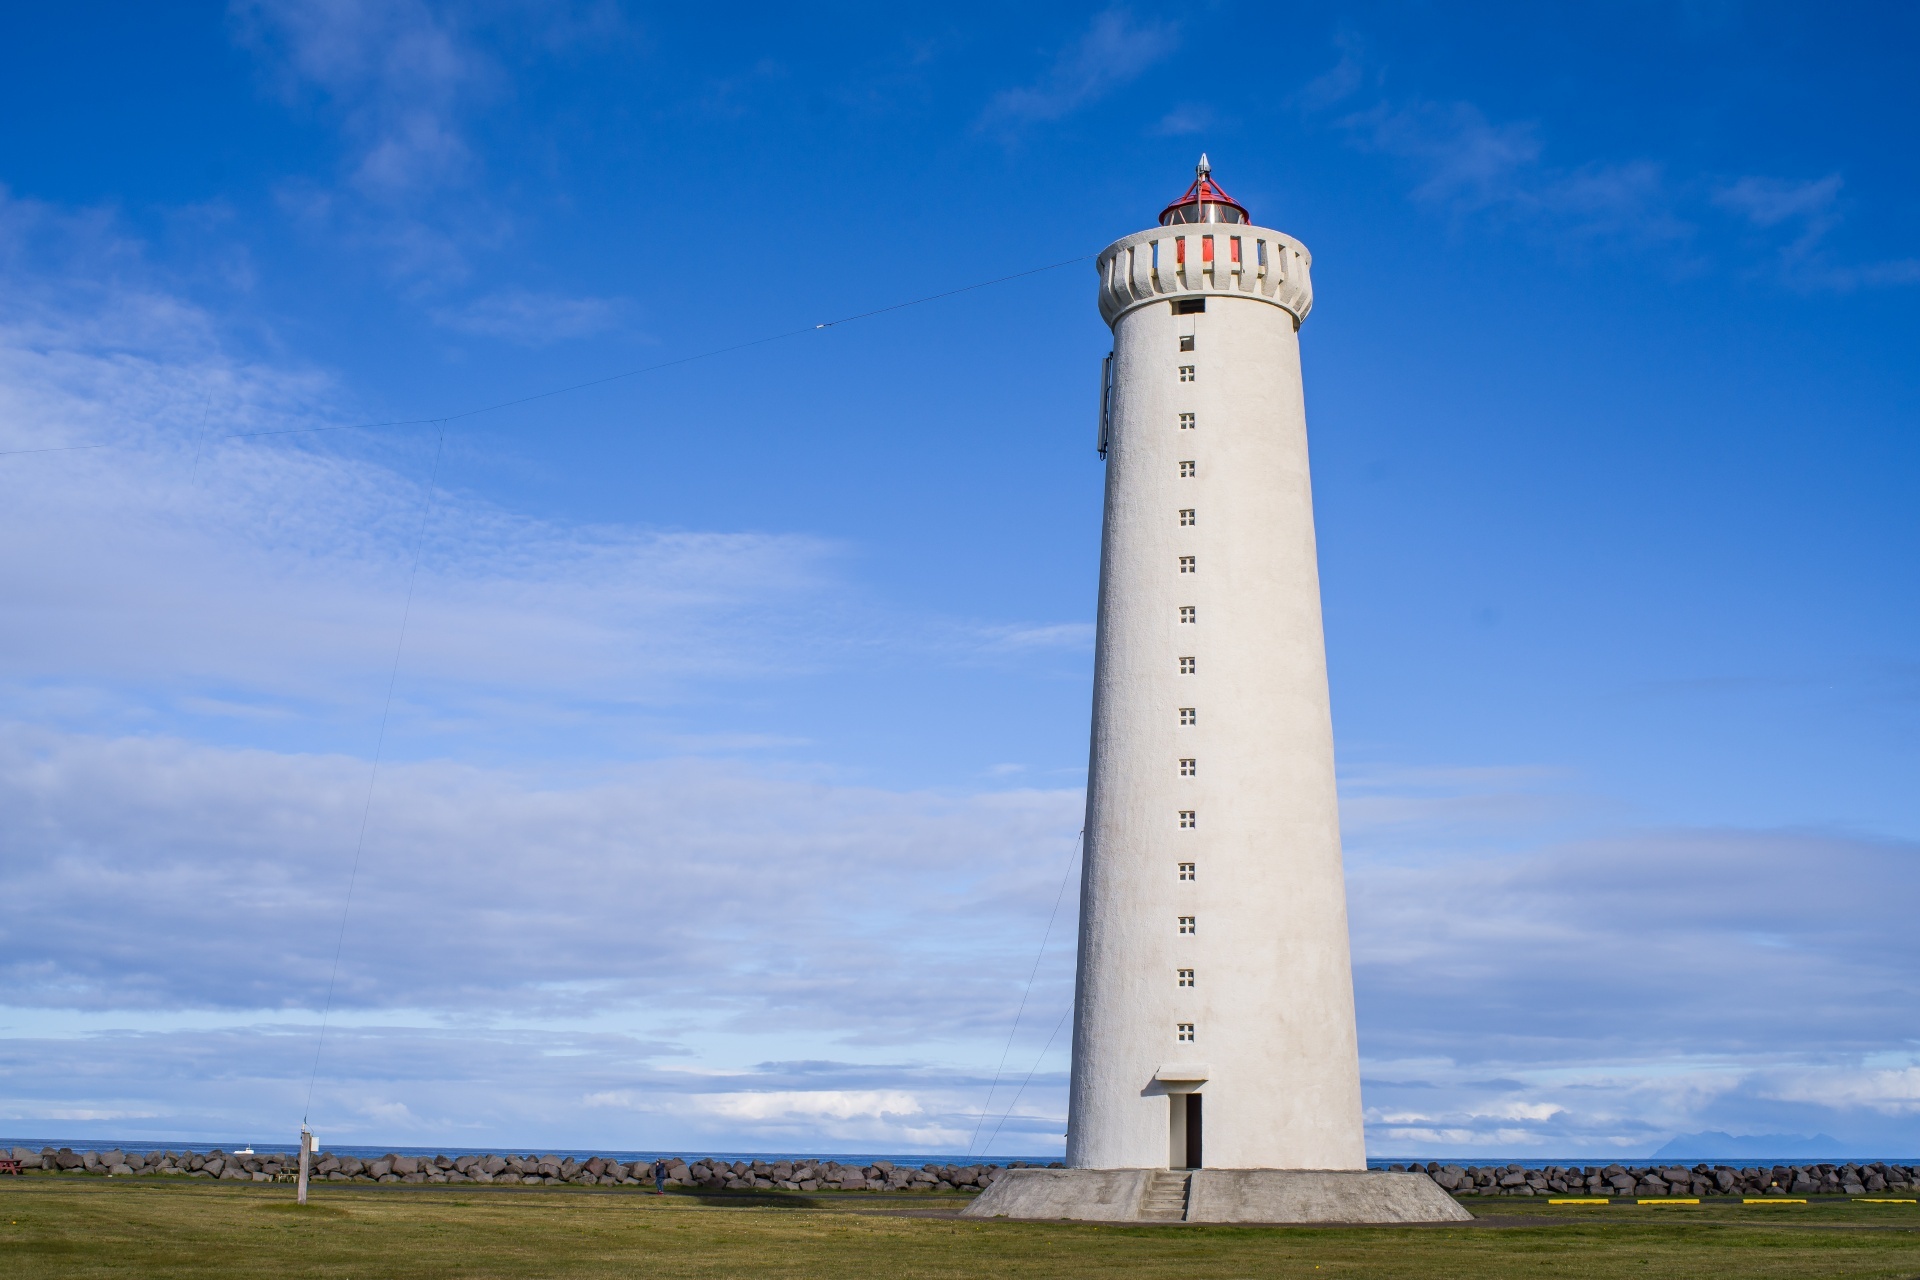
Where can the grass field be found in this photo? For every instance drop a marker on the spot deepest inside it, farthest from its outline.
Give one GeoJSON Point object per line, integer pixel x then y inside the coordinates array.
{"type": "Point", "coordinates": [69, 1227]}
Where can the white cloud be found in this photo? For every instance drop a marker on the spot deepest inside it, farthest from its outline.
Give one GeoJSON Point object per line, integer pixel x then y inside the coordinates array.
{"type": "Point", "coordinates": [532, 319]}
{"type": "Point", "coordinates": [397, 70]}
{"type": "Point", "coordinates": [169, 876]}
{"type": "Point", "coordinates": [1472, 166]}
{"type": "Point", "coordinates": [830, 1104]}
{"type": "Point", "coordinates": [1809, 211]}
{"type": "Point", "coordinates": [1467, 164]}
{"type": "Point", "coordinates": [1188, 118]}
{"type": "Point", "coordinates": [1115, 49]}
{"type": "Point", "coordinates": [1768, 202]}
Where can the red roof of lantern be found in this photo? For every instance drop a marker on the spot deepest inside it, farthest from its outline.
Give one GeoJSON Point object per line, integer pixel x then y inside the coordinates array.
{"type": "Point", "coordinates": [1202, 193]}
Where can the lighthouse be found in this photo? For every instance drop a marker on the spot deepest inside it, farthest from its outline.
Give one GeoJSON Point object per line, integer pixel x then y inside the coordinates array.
{"type": "Point", "coordinates": [1213, 1016]}
{"type": "Point", "coordinates": [1215, 1062]}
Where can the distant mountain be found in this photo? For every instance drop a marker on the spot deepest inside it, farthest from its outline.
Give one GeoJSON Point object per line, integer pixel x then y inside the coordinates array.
{"type": "Point", "coordinates": [1714, 1145]}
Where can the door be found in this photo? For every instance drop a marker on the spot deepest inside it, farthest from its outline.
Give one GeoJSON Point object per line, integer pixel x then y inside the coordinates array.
{"type": "Point", "coordinates": [1193, 1131]}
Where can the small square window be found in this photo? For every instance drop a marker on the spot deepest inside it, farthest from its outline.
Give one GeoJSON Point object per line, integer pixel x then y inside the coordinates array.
{"type": "Point", "coordinates": [1186, 470]}
{"type": "Point", "coordinates": [1186, 924]}
{"type": "Point", "coordinates": [1186, 613]}
{"type": "Point", "coordinates": [1186, 373]}
{"type": "Point", "coordinates": [1185, 976]}
{"type": "Point", "coordinates": [1186, 516]}
{"type": "Point", "coordinates": [1186, 565]}
{"type": "Point", "coordinates": [1186, 666]}
{"type": "Point", "coordinates": [1186, 422]}
{"type": "Point", "coordinates": [1189, 716]}
{"type": "Point", "coordinates": [1186, 871]}
{"type": "Point", "coordinates": [1187, 820]}
{"type": "Point", "coordinates": [1186, 342]}
{"type": "Point", "coordinates": [1186, 306]}
{"type": "Point", "coordinates": [1188, 768]}
{"type": "Point", "coordinates": [1185, 1031]}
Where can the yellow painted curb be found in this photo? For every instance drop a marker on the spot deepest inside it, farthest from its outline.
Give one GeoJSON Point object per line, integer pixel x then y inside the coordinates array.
{"type": "Point", "coordinates": [1671, 1200]}
{"type": "Point", "coordinates": [1589, 1200]}
{"type": "Point", "coordinates": [1869, 1200]}
{"type": "Point", "coordinates": [1770, 1200]}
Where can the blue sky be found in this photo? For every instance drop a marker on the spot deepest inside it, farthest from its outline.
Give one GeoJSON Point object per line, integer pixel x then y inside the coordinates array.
{"type": "Point", "coordinates": [737, 739]}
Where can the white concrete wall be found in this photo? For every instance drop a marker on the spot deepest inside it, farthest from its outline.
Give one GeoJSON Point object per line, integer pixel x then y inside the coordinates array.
{"type": "Point", "coordinates": [1273, 1004]}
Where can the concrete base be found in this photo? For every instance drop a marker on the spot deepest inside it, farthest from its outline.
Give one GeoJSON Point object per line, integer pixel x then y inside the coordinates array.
{"type": "Point", "coordinates": [1221, 1195]}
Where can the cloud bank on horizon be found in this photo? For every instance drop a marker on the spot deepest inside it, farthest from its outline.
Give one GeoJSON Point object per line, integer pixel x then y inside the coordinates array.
{"type": "Point", "coordinates": [731, 770]}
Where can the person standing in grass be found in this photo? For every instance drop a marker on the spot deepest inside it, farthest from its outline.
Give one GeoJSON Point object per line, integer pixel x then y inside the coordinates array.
{"type": "Point", "coordinates": [659, 1177]}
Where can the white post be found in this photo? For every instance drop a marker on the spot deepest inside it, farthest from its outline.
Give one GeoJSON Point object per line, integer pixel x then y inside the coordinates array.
{"type": "Point", "coordinates": [307, 1145]}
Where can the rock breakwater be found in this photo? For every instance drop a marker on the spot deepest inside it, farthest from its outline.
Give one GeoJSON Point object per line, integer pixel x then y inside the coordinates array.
{"type": "Point", "coordinates": [528, 1170]}
{"type": "Point", "coordinates": [1612, 1181]}
{"type": "Point", "coordinates": [1670, 1180]}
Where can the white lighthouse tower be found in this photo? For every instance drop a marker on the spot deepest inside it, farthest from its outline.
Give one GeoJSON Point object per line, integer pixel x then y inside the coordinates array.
{"type": "Point", "coordinates": [1213, 1022]}
{"type": "Point", "coordinates": [1213, 1014]}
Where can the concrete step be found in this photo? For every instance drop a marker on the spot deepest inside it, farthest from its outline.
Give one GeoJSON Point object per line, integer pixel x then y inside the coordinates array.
{"type": "Point", "coordinates": [1166, 1198]}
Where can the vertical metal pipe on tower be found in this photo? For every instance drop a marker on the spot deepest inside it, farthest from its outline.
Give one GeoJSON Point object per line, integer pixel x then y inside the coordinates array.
{"type": "Point", "coordinates": [1213, 962]}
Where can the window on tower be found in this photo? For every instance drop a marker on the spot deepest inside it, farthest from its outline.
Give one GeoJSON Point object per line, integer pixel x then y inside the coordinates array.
{"type": "Point", "coordinates": [1186, 306]}
{"type": "Point", "coordinates": [1186, 373]}
{"type": "Point", "coordinates": [1186, 422]}
{"type": "Point", "coordinates": [1189, 767]}
{"type": "Point", "coordinates": [1189, 715]}
{"type": "Point", "coordinates": [1186, 342]}
{"type": "Point", "coordinates": [1187, 819]}
{"type": "Point", "coordinates": [1186, 565]}
{"type": "Point", "coordinates": [1186, 924]}
{"type": "Point", "coordinates": [1185, 1032]}
{"type": "Point", "coordinates": [1186, 515]}
{"type": "Point", "coordinates": [1187, 470]}
{"type": "Point", "coordinates": [1186, 871]}
{"type": "Point", "coordinates": [1186, 666]}
{"type": "Point", "coordinates": [1187, 613]}
{"type": "Point", "coordinates": [1185, 976]}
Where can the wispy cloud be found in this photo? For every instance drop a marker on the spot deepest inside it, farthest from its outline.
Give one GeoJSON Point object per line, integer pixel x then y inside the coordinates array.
{"type": "Point", "coordinates": [235, 588]}
{"type": "Point", "coordinates": [1469, 165]}
{"type": "Point", "coordinates": [1768, 202]}
{"type": "Point", "coordinates": [1184, 120]}
{"type": "Point", "coordinates": [532, 319]}
{"type": "Point", "coordinates": [398, 73]}
{"type": "Point", "coordinates": [1113, 51]}
{"type": "Point", "coordinates": [1808, 212]}
{"type": "Point", "coordinates": [1608, 993]}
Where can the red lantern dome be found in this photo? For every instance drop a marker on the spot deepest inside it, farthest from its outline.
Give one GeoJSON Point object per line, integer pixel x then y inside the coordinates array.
{"type": "Point", "coordinates": [1204, 201]}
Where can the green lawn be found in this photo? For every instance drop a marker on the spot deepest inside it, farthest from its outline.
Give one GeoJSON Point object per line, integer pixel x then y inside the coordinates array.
{"type": "Point", "coordinates": [73, 1227]}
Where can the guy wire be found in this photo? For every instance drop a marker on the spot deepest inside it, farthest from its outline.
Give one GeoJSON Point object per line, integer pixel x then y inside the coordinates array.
{"type": "Point", "coordinates": [379, 747]}
{"type": "Point", "coordinates": [1058, 897]}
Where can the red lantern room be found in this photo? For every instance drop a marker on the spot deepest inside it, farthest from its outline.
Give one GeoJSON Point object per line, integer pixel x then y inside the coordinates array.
{"type": "Point", "coordinates": [1204, 202]}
